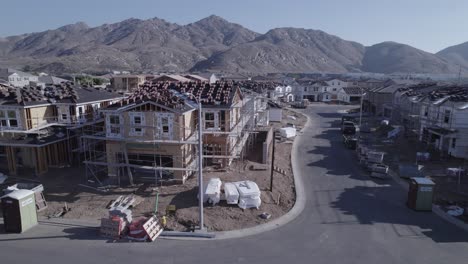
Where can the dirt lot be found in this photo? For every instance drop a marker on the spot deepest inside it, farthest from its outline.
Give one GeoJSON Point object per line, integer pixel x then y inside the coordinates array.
{"type": "Point", "coordinates": [403, 149]}
{"type": "Point", "coordinates": [62, 186]}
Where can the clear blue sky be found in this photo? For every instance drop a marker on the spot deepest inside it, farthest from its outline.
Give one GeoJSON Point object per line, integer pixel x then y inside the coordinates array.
{"type": "Point", "coordinates": [430, 25]}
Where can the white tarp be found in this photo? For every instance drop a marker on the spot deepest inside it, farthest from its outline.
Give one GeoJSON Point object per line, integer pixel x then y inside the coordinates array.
{"type": "Point", "coordinates": [287, 132]}
{"type": "Point", "coordinates": [231, 194]}
{"type": "Point", "coordinates": [249, 194]}
{"type": "Point", "coordinates": [212, 192]}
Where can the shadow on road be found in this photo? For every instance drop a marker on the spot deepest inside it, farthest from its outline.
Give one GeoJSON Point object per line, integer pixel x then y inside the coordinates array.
{"type": "Point", "coordinates": [365, 200]}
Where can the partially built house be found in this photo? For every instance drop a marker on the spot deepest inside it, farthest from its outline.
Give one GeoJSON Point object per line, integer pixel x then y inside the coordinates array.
{"type": "Point", "coordinates": [153, 133]}
{"type": "Point", "coordinates": [41, 127]}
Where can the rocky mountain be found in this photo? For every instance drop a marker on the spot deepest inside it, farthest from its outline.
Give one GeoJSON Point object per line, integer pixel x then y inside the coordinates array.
{"type": "Point", "coordinates": [211, 44]}
{"type": "Point", "coordinates": [457, 54]}
{"type": "Point", "coordinates": [133, 44]}
{"type": "Point", "coordinates": [392, 57]}
{"type": "Point", "coordinates": [289, 50]}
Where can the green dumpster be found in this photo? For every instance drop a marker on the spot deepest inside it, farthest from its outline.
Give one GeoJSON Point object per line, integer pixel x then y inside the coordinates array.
{"type": "Point", "coordinates": [420, 193]}
{"type": "Point", "coordinates": [19, 211]}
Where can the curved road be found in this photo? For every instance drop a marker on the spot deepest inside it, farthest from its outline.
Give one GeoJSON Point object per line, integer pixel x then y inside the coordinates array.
{"type": "Point", "coordinates": [348, 218]}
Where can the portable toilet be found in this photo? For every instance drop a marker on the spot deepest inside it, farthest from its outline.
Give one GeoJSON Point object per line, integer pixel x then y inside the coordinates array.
{"type": "Point", "coordinates": [420, 194]}
{"type": "Point", "coordinates": [19, 211]}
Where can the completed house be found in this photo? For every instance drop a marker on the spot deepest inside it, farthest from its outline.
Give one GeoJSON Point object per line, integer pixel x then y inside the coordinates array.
{"type": "Point", "coordinates": [351, 95]}
{"type": "Point", "coordinates": [127, 82]}
{"type": "Point", "coordinates": [17, 78]}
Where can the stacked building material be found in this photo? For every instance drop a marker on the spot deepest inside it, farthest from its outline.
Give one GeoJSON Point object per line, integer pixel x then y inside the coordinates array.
{"type": "Point", "coordinates": [249, 194]}
{"type": "Point", "coordinates": [113, 227]}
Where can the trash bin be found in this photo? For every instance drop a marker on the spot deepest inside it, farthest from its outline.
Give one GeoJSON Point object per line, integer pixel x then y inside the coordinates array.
{"type": "Point", "coordinates": [19, 211]}
{"type": "Point", "coordinates": [420, 194]}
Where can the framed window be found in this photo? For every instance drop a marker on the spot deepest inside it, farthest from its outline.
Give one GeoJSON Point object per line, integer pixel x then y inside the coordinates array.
{"type": "Point", "coordinates": [9, 119]}
{"type": "Point", "coordinates": [13, 123]}
{"type": "Point", "coordinates": [454, 142]}
{"type": "Point", "coordinates": [64, 116]}
{"type": "Point", "coordinates": [114, 125]}
{"type": "Point", "coordinates": [447, 114]}
{"type": "Point", "coordinates": [209, 120]}
{"type": "Point", "coordinates": [114, 120]}
{"type": "Point", "coordinates": [165, 124]}
{"type": "Point", "coordinates": [137, 121]}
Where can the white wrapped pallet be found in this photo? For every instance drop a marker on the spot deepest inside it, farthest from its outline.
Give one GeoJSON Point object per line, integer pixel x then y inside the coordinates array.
{"type": "Point", "coordinates": [212, 192]}
{"type": "Point", "coordinates": [287, 132]}
{"type": "Point", "coordinates": [231, 194]}
{"type": "Point", "coordinates": [249, 194]}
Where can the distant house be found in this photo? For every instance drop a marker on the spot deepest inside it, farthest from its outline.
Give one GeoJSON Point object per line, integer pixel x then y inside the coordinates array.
{"type": "Point", "coordinates": [126, 82]}
{"type": "Point", "coordinates": [213, 78]}
{"type": "Point", "coordinates": [196, 78]}
{"type": "Point", "coordinates": [350, 95]}
{"type": "Point", "coordinates": [172, 78]}
{"type": "Point", "coordinates": [313, 90]}
{"type": "Point", "coordinates": [17, 78]}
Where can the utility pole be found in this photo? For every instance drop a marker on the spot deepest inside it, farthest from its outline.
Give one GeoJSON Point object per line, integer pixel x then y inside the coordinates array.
{"type": "Point", "coordinates": [272, 161]}
{"type": "Point", "coordinates": [200, 166]}
{"type": "Point", "coordinates": [459, 75]}
{"type": "Point", "coordinates": [360, 113]}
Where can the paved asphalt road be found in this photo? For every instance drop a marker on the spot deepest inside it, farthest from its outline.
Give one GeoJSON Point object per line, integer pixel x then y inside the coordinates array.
{"type": "Point", "coordinates": [349, 218]}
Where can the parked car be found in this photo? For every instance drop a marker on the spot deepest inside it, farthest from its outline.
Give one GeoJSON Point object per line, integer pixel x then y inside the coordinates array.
{"type": "Point", "coordinates": [347, 118]}
{"type": "Point", "coordinates": [348, 128]}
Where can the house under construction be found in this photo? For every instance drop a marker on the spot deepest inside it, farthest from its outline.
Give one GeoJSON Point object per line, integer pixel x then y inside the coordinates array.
{"type": "Point", "coordinates": [41, 126]}
{"type": "Point", "coordinates": [153, 133]}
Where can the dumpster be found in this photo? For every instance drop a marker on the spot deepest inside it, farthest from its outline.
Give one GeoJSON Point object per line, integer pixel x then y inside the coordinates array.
{"type": "Point", "coordinates": [19, 211]}
{"type": "Point", "coordinates": [420, 194]}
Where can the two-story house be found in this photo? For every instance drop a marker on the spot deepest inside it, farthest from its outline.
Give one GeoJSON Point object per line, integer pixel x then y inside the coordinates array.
{"type": "Point", "coordinates": [17, 78]}
{"type": "Point", "coordinates": [406, 105]}
{"type": "Point", "coordinates": [154, 131]}
{"type": "Point", "coordinates": [444, 120]}
{"type": "Point", "coordinates": [40, 126]}
{"type": "Point", "coordinates": [313, 90]}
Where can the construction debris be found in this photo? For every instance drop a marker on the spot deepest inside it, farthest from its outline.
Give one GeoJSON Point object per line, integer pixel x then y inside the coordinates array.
{"type": "Point", "coordinates": [61, 212]}
{"type": "Point", "coordinates": [265, 215]}
{"type": "Point", "coordinates": [455, 210]}
{"type": "Point", "coordinates": [112, 227]}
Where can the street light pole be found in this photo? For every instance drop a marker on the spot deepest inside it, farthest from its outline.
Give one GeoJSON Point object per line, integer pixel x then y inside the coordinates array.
{"type": "Point", "coordinates": [200, 166]}
{"type": "Point", "coordinates": [360, 113]}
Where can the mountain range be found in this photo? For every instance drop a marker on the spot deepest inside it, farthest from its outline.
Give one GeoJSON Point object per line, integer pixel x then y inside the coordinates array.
{"type": "Point", "coordinates": [214, 44]}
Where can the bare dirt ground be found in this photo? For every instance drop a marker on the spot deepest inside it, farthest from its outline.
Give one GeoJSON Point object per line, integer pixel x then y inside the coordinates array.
{"type": "Point", "coordinates": [62, 187]}
{"type": "Point", "coordinates": [403, 149]}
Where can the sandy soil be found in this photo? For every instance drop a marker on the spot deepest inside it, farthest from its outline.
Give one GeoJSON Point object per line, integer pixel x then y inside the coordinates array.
{"type": "Point", "coordinates": [62, 186]}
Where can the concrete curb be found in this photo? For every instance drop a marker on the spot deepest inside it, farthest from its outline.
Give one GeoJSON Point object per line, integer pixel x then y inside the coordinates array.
{"type": "Point", "coordinates": [297, 209]}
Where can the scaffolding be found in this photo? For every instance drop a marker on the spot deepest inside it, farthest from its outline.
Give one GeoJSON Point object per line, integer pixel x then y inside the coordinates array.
{"type": "Point", "coordinates": [226, 144]}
